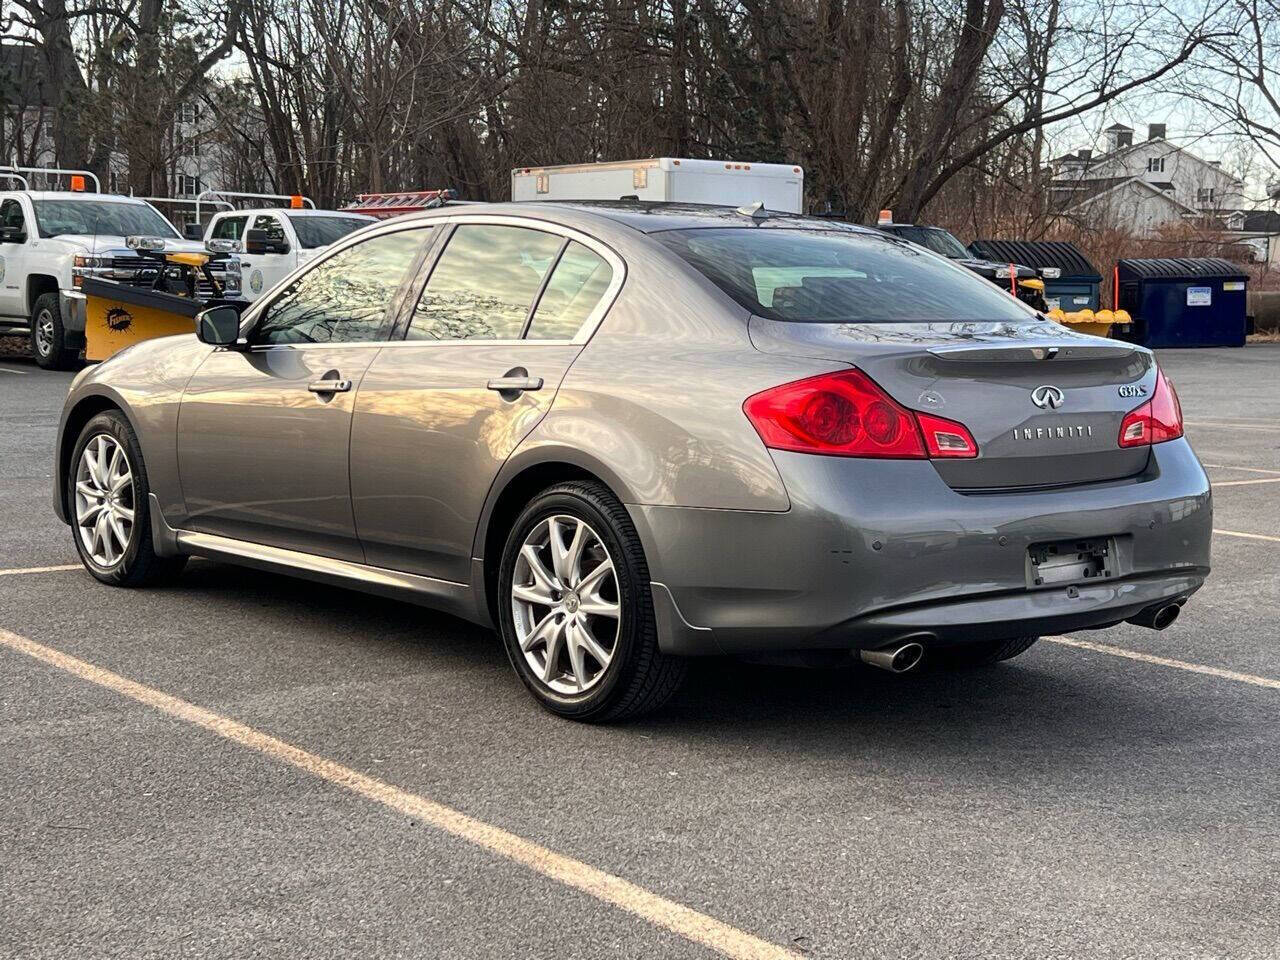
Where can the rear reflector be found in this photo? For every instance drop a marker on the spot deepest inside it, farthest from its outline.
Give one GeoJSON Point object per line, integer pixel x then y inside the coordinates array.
{"type": "Point", "coordinates": [846, 414]}
{"type": "Point", "coordinates": [1157, 420]}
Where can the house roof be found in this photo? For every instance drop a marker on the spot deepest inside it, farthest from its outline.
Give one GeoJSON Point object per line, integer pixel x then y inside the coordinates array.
{"type": "Point", "coordinates": [1261, 221]}
{"type": "Point", "coordinates": [1118, 126]}
{"type": "Point", "coordinates": [23, 76]}
{"type": "Point", "coordinates": [1090, 188]}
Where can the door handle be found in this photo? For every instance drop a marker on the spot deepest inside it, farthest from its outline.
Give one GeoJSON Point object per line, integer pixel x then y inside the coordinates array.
{"type": "Point", "coordinates": [515, 384]}
{"type": "Point", "coordinates": [329, 386]}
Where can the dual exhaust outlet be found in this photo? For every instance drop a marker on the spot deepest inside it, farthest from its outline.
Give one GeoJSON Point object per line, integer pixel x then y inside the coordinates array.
{"type": "Point", "coordinates": [907, 655]}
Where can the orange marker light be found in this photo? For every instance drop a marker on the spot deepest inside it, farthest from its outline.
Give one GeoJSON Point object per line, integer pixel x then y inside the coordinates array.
{"type": "Point", "coordinates": [295, 202]}
{"type": "Point", "coordinates": [77, 183]}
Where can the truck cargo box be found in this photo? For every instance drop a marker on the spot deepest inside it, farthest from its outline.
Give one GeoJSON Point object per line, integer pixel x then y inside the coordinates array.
{"type": "Point", "coordinates": [779, 186]}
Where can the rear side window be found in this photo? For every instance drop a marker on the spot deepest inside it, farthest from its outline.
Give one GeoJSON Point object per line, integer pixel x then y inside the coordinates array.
{"type": "Point", "coordinates": [833, 276]}
{"type": "Point", "coordinates": [484, 283]}
{"type": "Point", "coordinates": [229, 228]}
{"type": "Point", "coordinates": [579, 281]}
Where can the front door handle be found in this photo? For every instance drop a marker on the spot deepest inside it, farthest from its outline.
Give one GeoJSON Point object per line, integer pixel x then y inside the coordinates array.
{"type": "Point", "coordinates": [329, 386]}
{"type": "Point", "coordinates": [515, 384]}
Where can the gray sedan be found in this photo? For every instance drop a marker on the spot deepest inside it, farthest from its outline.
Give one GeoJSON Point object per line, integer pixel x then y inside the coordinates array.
{"type": "Point", "coordinates": [628, 434]}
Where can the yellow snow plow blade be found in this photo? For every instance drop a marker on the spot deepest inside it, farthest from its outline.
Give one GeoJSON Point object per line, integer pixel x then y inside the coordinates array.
{"type": "Point", "coordinates": [1098, 324]}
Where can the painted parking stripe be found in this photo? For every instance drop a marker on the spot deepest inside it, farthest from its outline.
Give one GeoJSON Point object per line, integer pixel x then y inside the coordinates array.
{"type": "Point", "coordinates": [17, 571]}
{"type": "Point", "coordinates": [1268, 428]}
{"type": "Point", "coordinates": [606, 887]}
{"type": "Point", "coordinates": [1248, 678]}
{"type": "Point", "coordinates": [1244, 483]}
{"type": "Point", "coordinates": [1227, 466]}
{"type": "Point", "coordinates": [1247, 536]}
{"type": "Point", "coordinates": [20, 373]}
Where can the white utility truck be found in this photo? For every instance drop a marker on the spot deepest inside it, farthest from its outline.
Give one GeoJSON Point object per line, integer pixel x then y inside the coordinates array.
{"type": "Point", "coordinates": [779, 186]}
{"type": "Point", "coordinates": [51, 240]}
{"type": "Point", "coordinates": [282, 239]}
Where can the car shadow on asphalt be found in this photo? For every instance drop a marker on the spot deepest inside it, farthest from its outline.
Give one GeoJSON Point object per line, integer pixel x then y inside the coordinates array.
{"type": "Point", "coordinates": [1050, 703]}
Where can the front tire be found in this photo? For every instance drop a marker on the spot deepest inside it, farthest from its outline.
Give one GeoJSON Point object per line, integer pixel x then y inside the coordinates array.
{"type": "Point", "coordinates": [575, 609]}
{"type": "Point", "coordinates": [48, 337]}
{"type": "Point", "coordinates": [107, 497]}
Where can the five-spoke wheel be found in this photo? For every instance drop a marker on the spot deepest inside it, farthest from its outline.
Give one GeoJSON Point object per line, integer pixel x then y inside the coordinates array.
{"type": "Point", "coordinates": [104, 500]}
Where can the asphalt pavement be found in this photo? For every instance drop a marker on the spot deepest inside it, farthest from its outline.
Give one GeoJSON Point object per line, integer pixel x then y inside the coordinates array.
{"type": "Point", "coordinates": [244, 765]}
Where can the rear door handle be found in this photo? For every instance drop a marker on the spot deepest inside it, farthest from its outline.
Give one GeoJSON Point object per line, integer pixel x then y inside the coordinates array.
{"type": "Point", "coordinates": [515, 384]}
{"type": "Point", "coordinates": [329, 386]}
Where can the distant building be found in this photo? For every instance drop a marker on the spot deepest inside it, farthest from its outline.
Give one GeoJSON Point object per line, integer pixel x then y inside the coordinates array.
{"type": "Point", "coordinates": [1144, 186]}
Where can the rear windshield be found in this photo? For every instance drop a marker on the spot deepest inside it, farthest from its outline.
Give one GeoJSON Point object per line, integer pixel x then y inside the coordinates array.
{"type": "Point", "coordinates": [322, 231]}
{"type": "Point", "coordinates": [839, 277]}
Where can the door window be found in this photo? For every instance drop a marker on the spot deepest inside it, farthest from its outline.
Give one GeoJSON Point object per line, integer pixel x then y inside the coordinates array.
{"type": "Point", "coordinates": [11, 215]}
{"type": "Point", "coordinates": [344, 298]}
{"type": "Point", "coordinates": [484, 283]}
{"type": "Point", "coordinates": [229, 229]}
{"type": "Point", "coordinates": [268, 222]}
{"type": "Point", "coordinates": [576, 286]}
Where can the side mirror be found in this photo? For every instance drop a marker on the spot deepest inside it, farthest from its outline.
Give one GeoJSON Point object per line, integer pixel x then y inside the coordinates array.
{"type": "Point", "coordinates": [218, 326]}
{"type": "Point", "coordinates": [258, 242]}
{"type": "Point", "coordinates": [193, 231]}
{"type": "Point", "coordinates": [13, 235]}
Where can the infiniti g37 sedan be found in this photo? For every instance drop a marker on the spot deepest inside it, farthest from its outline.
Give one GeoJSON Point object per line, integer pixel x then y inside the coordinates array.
{"type": "Point", "coordinates": [628, 434]}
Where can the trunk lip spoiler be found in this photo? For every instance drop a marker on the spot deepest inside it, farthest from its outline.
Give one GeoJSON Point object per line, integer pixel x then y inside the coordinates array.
{"type": "Point", "coordinates": [1023, 352]}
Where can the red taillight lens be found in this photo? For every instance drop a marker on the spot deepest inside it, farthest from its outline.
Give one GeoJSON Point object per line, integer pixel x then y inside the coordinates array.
{"type": "Point", "coordinates": [1157, 420]}
{"type": "Point", "coordinates": [843, 413]}
{"type": "Point", "coordinates": [847, 414]}
{"type": "Point", "coordinates": [946, 438]}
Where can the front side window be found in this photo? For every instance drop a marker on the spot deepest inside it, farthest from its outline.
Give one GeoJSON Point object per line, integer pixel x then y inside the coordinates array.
{"type": "Point", "coordinates": [268, 223]}
{"type": "Point", "coordinates": [830, 276]}
{"type": "Point", "coordinates": [229, 229]}
{"type": "Point", "coordinates": [344, 298]}
{"type": "Point", "coordinates": [580, 279]}
{"type": "Point", "coordinates": [11, 215]}
{"type": "Point", "coordinates": [484, 283]}
{"type": "Point", "coordinates": [101, 218]}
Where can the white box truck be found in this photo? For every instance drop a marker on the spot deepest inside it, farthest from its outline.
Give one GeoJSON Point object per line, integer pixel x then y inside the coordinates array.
{"type": "Point", "coordinates": [779, 186]}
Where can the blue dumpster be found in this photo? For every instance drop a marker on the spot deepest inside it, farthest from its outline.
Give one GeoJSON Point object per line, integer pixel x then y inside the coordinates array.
{"type": "Point", "coordinates": [1071, 282]}
{"type": "Point", "coordinates": [1183, 302]}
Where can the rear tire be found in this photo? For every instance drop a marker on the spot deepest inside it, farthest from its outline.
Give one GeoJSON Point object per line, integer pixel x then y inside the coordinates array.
{"type": "Point", "coordinates": [109, 508]}
{"type": "Point", "coordinates": [557, 610]}
{"type": "Point", "coordinates": [988, 652]}
{"type": "Point", "coordinates": [48, 338]}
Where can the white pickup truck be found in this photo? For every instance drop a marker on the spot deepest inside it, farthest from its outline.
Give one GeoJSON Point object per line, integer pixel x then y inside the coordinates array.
{"type": "Point", "coordinates": [288, 238]}
{"type": "Point", "coordinates": [50, 241]}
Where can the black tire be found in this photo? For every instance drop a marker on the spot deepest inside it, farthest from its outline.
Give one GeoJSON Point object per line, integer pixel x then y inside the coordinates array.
{"type": "Point", "coordinates": [987, 652]}
{"type": "Point", "coordinates": [50, 346]}
{"type": "Point", "coordinates": [639, 677]}
{"type": "Point", "coordinates": [138, 565]}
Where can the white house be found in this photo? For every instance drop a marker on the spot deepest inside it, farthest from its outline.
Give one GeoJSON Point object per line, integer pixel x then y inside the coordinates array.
{"type": "Point", "coordinates": [1144, 186]}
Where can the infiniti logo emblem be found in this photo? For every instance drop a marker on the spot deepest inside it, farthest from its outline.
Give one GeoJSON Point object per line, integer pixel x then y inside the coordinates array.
{"type": "Point", "coordinates": [1048, 397]}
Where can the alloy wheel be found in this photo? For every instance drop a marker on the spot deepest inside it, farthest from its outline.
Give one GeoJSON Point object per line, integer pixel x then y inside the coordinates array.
{"type": "Point", "coordinates": [566, 605]}
{"type": "Point", "coordinates": [104, 500]}
{"type": "Point", "coordinates": [44, 333]}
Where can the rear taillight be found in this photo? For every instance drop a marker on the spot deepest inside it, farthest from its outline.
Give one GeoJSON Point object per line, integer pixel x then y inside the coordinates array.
{"type": "Point", "coordinates": [1157, 420]}
{"type": "Point", "coordinates": [846, 414]}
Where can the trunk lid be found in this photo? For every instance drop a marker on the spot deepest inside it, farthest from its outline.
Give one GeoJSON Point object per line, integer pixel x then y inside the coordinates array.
{"type": "Point", "coordinates": [1043, 403]}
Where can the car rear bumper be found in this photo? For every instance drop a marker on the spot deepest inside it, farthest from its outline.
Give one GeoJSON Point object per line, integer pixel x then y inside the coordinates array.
{"type": "Point", "coordinates": [875, 550]}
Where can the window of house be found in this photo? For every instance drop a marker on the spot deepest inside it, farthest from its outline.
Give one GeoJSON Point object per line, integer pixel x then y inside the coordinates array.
{"type": "Point", "coordinates": [188, 186]}
{"type": "Point", "coordinates": [1155, 165]}
{"type": "Point", "coordinates": [189, 112]}
{"type": "Point", "coordinates": [484, 283]}
{"type": "Point", "coordinates": [1205, 195]}
{"type": "Point", "coordinates": [344, 298]}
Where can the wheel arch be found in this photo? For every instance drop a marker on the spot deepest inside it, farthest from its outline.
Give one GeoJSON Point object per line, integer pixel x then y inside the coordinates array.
{"type": "Point", "coordinates": [38, 284]}
{"type": "Point", "coordinates": [84, 410]}
{"type": "Point", "coordinates": [519, 481]}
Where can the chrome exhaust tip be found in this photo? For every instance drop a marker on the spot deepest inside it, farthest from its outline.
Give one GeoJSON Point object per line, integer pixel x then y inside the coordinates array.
{"type": "Point", "coordinates": [898, 659]}
{"type": "Point", "coordinates": [1157, 617]}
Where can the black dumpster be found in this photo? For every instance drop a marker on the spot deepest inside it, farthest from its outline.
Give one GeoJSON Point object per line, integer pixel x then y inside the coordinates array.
{"type": "Point", "coordinates": [1070, 281]}
{"type": "Point", "coordinates": [1183, 302]}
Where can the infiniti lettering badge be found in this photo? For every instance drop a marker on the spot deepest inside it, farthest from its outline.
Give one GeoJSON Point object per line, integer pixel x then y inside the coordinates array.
{"type": "Point", "coordinates": [1048, 397]}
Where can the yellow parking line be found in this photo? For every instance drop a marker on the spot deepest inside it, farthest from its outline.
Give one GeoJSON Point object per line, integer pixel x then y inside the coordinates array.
{"type": "Point", "coordinates": [1227, 466]}
{"type": "Point", "coordinates": [1166, 662]}
{"type": "Point", "coordinates": [1244, 483]}
{"type": "Point", "coordinates": [642, 903]}
{"type": "Point", "coordinates": [16, 571]}
{"type": "Point", "coordinates": [1247, 536]}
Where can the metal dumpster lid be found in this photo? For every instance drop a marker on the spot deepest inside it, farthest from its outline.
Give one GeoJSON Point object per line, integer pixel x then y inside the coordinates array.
{"type": "Point", "coordinates": [1039, 254]}
{"type": "Point", "coordinates": [1180, 268]}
